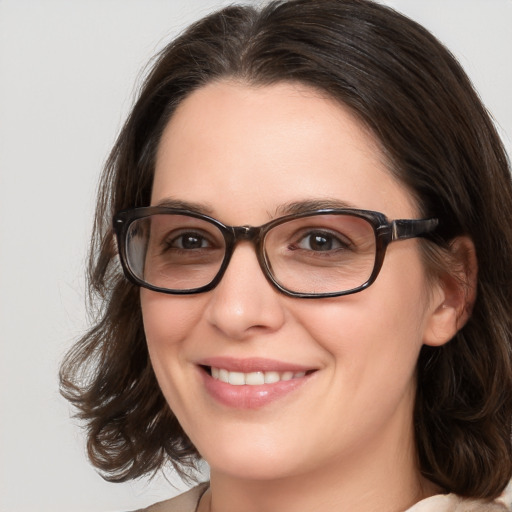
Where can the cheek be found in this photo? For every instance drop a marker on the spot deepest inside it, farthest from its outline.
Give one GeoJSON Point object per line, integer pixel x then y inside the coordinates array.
{"type": "Point", "coordinates": [168, 322]}
{"type": "Point", "coordinates": [350, 330]}
{"type": "Point", "coordinates": [374, 335]}
{"type": "Point", "coordinates": [168, 319]}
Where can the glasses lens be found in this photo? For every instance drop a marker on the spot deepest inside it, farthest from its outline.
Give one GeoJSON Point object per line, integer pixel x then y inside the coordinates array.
{"type": "Point", "coordinates": [321, 253]}
{"type": "Point", "coordinates": [174, 252]}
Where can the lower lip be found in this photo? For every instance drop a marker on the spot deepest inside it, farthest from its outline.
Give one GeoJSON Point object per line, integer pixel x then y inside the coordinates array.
{"type": "Point", "coordinates": [250, 397]}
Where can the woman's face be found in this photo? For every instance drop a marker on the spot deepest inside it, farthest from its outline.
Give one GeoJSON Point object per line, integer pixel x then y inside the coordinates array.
{"type": "Point", "coordinates": [243, 154]}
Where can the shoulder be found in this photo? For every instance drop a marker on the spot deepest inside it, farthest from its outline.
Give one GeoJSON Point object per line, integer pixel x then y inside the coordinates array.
{"type": "Point", "coordinates": [186, 502]}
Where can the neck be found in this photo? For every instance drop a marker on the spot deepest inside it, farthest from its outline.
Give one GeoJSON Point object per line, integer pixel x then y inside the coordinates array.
{"type": "Point", "coordinates": [358, 484]}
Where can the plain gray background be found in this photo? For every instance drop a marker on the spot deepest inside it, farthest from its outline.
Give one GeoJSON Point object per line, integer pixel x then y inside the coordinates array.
{"type": "Point", "coordinates": [68, 70]}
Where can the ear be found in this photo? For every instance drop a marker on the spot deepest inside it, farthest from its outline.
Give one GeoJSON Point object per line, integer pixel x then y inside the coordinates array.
{"type": "Point", "coordinates": [453, 294]}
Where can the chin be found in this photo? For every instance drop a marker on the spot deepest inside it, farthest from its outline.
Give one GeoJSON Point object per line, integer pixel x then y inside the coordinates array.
{"type": "Point", "coordinates": [256, 461]}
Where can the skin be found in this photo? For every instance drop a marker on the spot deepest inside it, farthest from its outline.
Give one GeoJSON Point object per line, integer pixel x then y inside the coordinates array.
{"type": "Point", "coordinates": [344, 439]}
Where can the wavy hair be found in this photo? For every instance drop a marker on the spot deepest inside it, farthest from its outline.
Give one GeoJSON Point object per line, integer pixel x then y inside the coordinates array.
{"type": "Point", "coordinates": [441, 143]}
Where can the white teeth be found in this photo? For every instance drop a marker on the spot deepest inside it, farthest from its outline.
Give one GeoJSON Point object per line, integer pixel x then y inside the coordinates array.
{"type": "Point", "coordinates": [236, 378]}
{"type": "Point", "coordinates": [223, 375]}
{"type": "Point", "coordinates": [271, 377]}
{"type": "Point", "coordinates": [253, 378]}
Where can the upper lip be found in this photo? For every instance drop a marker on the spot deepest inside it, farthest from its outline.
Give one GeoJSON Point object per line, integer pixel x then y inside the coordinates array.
{"type": "Point", "coordinates": [256, 364]}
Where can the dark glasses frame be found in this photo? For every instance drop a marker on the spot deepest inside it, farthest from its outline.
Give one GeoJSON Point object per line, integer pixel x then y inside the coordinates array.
{"type": "Point", "coordinates": [386, 231]}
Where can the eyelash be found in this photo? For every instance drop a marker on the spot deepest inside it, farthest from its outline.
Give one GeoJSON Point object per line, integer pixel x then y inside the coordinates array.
{"type": "Point", "coordinates": [342, 242]}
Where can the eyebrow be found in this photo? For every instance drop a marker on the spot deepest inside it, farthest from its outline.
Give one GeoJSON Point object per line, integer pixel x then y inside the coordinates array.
{"type": "Point", "coordinates": [293, 207]}
{"type": "Point", "coordinates": [203, 208]}
{"type": "Point", "coordinates": [311, 204]}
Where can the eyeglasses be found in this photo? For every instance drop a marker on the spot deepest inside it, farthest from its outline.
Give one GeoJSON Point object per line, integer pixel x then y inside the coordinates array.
{"type": "Point", "coordinates": [319, 253]}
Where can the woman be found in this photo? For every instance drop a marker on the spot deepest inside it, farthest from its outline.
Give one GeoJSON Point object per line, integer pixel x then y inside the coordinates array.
{"type": "Point", "coordinates": [309, 204]}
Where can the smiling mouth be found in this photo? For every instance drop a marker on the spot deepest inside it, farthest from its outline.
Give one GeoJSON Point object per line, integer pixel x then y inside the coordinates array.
{"type": "Point", "coordinates": [257, 378]}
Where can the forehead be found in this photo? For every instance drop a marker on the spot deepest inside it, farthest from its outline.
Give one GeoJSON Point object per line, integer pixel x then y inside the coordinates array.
{"type": "Point", "coordinates": [246, 149]}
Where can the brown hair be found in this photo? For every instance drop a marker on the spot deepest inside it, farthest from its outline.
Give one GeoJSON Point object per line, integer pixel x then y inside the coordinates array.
{"type": "Point", "coordinates": [410, 91]}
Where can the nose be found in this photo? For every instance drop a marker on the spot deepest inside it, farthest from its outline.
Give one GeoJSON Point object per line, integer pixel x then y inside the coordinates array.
{"type": "Point", "coordinates": [244, 303]}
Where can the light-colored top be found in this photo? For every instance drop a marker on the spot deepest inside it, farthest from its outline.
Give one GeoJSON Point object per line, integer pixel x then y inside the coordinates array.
{"type": "Point", "coordinates": [186, 502]}
{"type": "Point", "coordinates": [189, 501]}
{"type": "Point", "coordinates": [454, 503]}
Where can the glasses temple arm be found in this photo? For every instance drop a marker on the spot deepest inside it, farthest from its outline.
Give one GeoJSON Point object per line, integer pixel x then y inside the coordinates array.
{"type": "Point", "coordinates": [402, 229]}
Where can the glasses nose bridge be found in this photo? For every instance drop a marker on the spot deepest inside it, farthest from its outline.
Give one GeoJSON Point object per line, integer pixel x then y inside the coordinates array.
{"type": "Point", "coordinates": [246, 234]}
{"type": "Point", "coordinates": [249, 234]}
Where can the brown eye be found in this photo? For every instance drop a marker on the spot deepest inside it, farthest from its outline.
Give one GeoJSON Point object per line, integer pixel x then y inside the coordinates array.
{"type": "Point", "coordinates": [320, 241]}
{"type": "Point", "coordinates": [189, 241]}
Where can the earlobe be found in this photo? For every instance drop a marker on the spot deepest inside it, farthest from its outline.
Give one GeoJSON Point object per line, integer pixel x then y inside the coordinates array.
{"type": "Point", "coordinates": [455, 293]}
{"type": "Point", "coordinates": [442, 325]}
